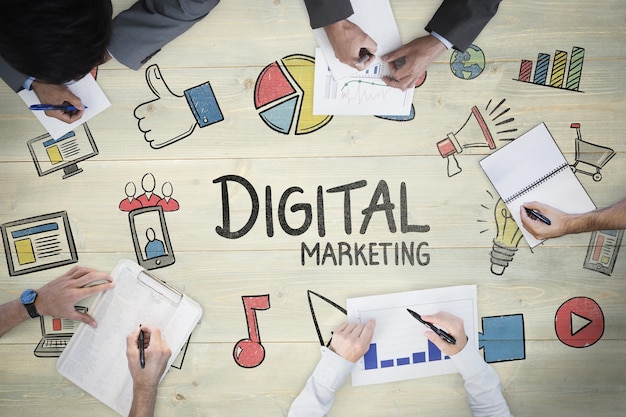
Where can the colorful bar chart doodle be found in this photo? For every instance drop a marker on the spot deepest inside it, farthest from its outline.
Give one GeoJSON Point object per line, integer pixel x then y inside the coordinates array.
{"type": "Point", "coordinates": [370, 360]}
{"type": "Point", "coordinates": [561, 76]}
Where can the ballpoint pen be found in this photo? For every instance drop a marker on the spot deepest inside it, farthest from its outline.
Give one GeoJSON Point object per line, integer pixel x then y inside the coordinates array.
{"type": "Point", "coordinates": [444, 335]}
{"type": "Point", "coordinates": [54, 107]}
{"type": "Point", "coordinates": [538, 215]}
{"type": "Point", "coordinates": [142, 353]}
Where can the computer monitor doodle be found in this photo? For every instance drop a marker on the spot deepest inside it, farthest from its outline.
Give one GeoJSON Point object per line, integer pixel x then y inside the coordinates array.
{"type": "Point", "coordinates": [38, 243]}
{"type": "Point", "coordinates": [64, 153]}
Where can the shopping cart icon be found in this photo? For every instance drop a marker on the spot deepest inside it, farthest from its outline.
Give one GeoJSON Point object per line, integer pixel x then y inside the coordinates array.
{"type": "Point", "coordinates": [590, 154]}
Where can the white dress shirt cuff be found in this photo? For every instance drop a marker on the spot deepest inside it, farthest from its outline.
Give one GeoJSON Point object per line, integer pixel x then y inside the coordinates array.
{"type": "Point", "coordinates": [443, 40]}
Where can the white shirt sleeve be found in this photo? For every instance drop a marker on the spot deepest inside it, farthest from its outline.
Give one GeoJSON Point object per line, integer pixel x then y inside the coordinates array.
{"type": "Point", "coordinates": [318, 394]}
{"type": "Point", "coordinates": [484, 393]}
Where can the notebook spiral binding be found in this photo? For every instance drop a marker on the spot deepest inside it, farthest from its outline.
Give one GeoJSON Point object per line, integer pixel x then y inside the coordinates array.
{"type": "Point", "coordinates": [535, 184]}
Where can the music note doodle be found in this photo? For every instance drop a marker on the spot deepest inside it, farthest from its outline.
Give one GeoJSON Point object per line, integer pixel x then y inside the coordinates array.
{"type": "Point", "coordinates": [249, 352]}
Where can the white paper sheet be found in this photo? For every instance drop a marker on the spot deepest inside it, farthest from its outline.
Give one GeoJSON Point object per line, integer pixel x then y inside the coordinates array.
{"type": "Point", "coordinates": [532, 168]}
{"type": "Point", "coordinates": [375, 18]}
{"type": "Point", "coordinates": [363, 93]}
{"type": "Point", "coordinates": [399, 349]}
{"type": "Point", "coordinates": [89, 92]}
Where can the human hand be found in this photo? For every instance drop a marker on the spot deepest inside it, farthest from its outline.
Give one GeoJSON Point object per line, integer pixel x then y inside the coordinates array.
{"type": "Point", "coordinates": [347, 40]}
{"type": "Point", "coordinates": [156, 354]}
{"type": "Point", "coordinates": [352, 340]}
{"type": "Point", "coordinates": [58, 297]}
{"type": "Point", "coordinates": [409, 62]}
{"type": "Point", "coordinates": [167, 118]}
{"type": "Point", "coordinates": [453, 325]}
{"type": "Point", "coordinates": [558, 221]}
{"type": "Point", "coordinates": [58, 95]}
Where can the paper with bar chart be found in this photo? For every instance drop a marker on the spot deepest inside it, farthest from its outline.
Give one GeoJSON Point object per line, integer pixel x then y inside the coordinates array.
{"type": "Point", "coordinates": [562, 76]}
{"type": "Point", "coordinates": [364, 93]}
{"type": "Point", "coordinates": [399, 349]}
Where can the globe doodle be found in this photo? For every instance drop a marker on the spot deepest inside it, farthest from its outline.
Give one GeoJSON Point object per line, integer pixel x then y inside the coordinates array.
{"type": "Point", "coordinates": [469, 64]}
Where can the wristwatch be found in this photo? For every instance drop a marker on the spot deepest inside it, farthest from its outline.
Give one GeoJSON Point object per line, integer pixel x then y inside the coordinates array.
{"type": "Point", "coordinates": [28, 299]}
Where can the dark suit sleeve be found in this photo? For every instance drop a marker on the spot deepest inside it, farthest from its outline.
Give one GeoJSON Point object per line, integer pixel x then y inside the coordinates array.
{"type": "Point", "coordinates": [11, 76]}
{"type": "Point", "coordinates": [141, 31]}
{"type": "Point", "coordinates": [461, 21]}
{"type": "Point", "coordinates": [325, 12]}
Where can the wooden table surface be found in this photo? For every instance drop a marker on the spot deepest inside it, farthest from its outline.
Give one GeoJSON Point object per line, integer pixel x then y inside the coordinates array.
{"type": "Point", "coordinates": [230, 48]}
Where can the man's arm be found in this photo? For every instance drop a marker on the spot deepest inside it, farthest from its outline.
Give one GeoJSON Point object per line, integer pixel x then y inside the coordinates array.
{"type": "Point", "coordinates": [482, 384]}
{"type": "Point", "coordinates": [148, 25]}
{"type": "Point", "coordinates": [11, 76]}
{"type": "Point", "coordinates": [461, 21]}
{"type": "Point", "coordinates": [612, 217]}
{"type": "Point", "coordinates": [349, 343]}
{"type": "Point", "coordinates": [146, 379]}
{"type": "Point", "coordinates": [58, 298]}
{"type": "Point", "coordinates": [325, 12]}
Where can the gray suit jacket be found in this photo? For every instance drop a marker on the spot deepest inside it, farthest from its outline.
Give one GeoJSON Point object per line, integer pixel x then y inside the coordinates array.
{"type": "Point", "coordinates": [459, 21]}
{"type": "Point", "coordinates": [139, 32]}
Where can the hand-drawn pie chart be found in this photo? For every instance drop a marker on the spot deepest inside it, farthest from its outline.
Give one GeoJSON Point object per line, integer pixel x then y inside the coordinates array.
{"type": "Point", "coordinates": [283, 95]}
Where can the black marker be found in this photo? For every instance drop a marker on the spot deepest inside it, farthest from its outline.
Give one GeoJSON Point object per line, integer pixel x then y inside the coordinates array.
{"type": "Point", "coordinates": [445, 336]}
{"type": "Point", "coordinates": [142, 353]}
{"type": "Point", "coordinates": [538, 215]}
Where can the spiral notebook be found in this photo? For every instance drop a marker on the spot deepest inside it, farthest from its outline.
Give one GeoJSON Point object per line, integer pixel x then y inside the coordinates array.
{"type": "Point", "coordinates": [533, 168]}
{"type": "Point", "coordinates": [95, 359]}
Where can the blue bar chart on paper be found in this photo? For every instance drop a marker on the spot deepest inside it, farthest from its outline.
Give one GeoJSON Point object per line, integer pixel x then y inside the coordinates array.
{"type": "Point", "coordinates": [400, 349]}
{"type": "Point", "coordinates": [370, 360]}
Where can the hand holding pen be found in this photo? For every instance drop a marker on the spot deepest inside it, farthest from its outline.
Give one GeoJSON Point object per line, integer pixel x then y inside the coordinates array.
{"type": "Point", "coordinates": [544, 221]}
{"type": "Point", "coordinates": [62, 96]}
{"type": "Point", "coordinates": [145, 346]}
{"type": "Point", "coordinates": [454, 329]}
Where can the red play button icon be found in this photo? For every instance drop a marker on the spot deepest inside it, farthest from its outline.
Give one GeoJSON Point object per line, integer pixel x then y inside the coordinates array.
{"type": "Point", "coordinates": [579, 322]}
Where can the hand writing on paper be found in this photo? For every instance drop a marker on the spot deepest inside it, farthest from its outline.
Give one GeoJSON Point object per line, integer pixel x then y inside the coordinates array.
{"type": "Point", "coordinates": [352, 340]}
{"type": "Point", "coordinates": [409, 62]}
{"type": "Point", "coordinates": [540, 230]}
{"type": "Point", "coordinates": [347, 40]}
{"type": "Point", "coordinates": [58, 298]}
{"type": "Point", "coordinates": [146, 380]}
{"type": "Point", "coordinates": [58, 95]}
{"type": "Point", "coordinates": [453, 325]}
{"type": "Point", "coordinates": [167, 118]}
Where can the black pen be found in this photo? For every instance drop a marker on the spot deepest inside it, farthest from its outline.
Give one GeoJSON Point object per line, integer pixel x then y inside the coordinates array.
{"type": "Point", "coordinates": [538, 215]}
{"type": "Point", "coordinates": [142, 353]}
{"type": "Point", "coordinates": [445, 336]}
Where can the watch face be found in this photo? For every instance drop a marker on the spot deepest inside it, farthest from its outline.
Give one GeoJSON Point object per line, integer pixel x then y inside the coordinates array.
{"type": "Point", "coordinates": [28, 296]}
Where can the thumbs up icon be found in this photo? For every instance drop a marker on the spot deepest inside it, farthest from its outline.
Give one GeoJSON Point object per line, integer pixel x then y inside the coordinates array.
{"type": "Point", "coordinates": [169, 117]}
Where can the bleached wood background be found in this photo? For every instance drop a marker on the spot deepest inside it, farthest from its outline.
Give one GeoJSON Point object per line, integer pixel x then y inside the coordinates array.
{"type": "Point", "coordinates": [230, 48]}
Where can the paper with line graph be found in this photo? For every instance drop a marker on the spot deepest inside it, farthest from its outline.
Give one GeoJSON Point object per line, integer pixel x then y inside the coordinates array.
{"type": "Point", "coordinates": [364, 93]}
{"type": "Point", "coordinates": [399, 349]}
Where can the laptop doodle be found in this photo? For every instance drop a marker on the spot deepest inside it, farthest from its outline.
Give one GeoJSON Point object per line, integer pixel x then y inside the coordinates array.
{"type": "Point", "coordinates": [56, 333]}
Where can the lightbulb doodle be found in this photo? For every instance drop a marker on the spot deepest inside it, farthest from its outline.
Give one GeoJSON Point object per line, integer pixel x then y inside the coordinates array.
{"type": "Point", "coordinates": [508, 236]}
{"type": "Point", "coordinates": [477, 131]}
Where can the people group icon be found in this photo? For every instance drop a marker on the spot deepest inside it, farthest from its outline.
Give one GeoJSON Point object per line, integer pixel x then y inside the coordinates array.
{"type": "Point", "coordinates": [149, 198]}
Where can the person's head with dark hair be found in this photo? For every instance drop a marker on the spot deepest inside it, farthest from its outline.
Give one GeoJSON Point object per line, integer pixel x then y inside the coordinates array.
{"type": "Point", "coordinates": [55, 40]}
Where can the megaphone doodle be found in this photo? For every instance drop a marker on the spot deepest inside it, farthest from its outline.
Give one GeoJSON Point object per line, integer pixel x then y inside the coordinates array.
{"type": "Point", "coordinates": [474, 133]}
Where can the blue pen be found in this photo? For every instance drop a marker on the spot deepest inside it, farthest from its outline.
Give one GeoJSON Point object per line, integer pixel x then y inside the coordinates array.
{"type": "Point", "coordinates": [53, 107]}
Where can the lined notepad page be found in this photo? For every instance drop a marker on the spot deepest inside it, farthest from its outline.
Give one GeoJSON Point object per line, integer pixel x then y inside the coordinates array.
{"type": "Point", "coordinates": [375, 18]}
{"type": "Point", "coordinates": [533, 168]}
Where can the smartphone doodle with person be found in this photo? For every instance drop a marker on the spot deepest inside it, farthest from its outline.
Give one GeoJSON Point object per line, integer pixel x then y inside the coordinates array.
{"type": "Point", "coordinates": [150, 238]}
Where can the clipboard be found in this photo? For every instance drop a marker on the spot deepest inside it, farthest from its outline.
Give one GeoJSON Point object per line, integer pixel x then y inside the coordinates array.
{"type": "Point", "coordinates": [95, 359]}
